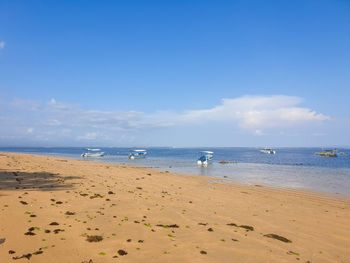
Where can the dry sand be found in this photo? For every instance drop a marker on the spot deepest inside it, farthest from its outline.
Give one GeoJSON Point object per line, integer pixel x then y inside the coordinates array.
{"type": "Point", "coordinates": [50, 207]}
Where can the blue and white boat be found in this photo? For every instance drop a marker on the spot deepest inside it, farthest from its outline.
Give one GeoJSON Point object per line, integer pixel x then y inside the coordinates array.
{"type": "Point", "coordinates": [268, 151]}
{"type": "Point", "coordinates": [92, 154]}
{"type": "Point", "coordinates": [205, 157]}
{"type": "Point", "coordinates": [136, 154]}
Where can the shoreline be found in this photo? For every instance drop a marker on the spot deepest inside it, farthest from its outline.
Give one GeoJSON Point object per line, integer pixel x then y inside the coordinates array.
{"type": "Point", "coordinates": [185, 206]}
{"type": "Point", "coordinates": [217, 179]}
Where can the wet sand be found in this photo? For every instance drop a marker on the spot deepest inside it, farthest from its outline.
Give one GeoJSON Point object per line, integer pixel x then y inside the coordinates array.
{"type": "Point", "coordinates": [65, 210]}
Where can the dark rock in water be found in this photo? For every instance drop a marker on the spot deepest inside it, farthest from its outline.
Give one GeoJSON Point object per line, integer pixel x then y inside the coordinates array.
{"type": "Point", "coordinates": [249, 228]}
{"type": "Point", "coordinates": [203, 252]}
{"type": "Point", "coordinates": [280, 238]}
{"type": "Point", "coordinates": [94, 238]}
{"type": "Point", "coordinates": [122, 252]}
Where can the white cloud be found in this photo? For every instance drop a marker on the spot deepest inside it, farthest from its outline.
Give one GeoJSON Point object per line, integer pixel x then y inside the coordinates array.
{"type": "Point", "coordinates": [88, 136]}
{"type": "Point", "coordinates": [258, 115]}
{"type": "Point", "coordinates": [2, 44]}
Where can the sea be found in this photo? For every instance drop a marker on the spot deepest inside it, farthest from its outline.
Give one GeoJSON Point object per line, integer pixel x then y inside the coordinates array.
{"type": "Point", "coordinates": [295, 168]}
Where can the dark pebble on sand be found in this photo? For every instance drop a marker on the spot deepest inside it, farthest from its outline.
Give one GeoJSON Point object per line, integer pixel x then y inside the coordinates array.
{"type": "Point", "coordinates": [29, 233]}
{"type": "Point", "coordinates": [47, 231]}
{"type": "Point", "coordinates": [56, 231]}
{"type": "Point", "coordinates": [129, 240]}
{"type": "Point", "coordinates": [94, 238]}
{"type": "Point", "coordinates": [210, 229]}
{"type": "Point", "coordinates": [54, 224]}
{"type": "Point", "coordinates": [68, 213]}
{"type": "Point", "coordinates": [203, 252]}
{"type": "Point", "coordinates": [12, 252]}
{"type": "Point", "coordinates": [122, 252]}
{"type": "Point", "coordinates": [110, 193]}
{"type": "Point", "coordinates": [59, 202]}
{"type": "Point", "coordinates": [23, 202]}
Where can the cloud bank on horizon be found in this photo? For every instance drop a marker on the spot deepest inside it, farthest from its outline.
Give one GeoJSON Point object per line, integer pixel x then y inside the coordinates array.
{"type": "Point", "coordinates": [53, 122]}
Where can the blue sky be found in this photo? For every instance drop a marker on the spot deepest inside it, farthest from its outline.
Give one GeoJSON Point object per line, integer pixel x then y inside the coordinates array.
{"type": "Point", "coordinates": [182, 73]}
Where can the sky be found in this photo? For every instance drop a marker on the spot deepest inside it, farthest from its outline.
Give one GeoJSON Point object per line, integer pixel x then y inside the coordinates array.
{"type": "Point", "coordinates": [175, 73]}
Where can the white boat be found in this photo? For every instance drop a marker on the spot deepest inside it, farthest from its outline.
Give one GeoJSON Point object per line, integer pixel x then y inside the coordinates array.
{"type": "Point", "coordinates": [205, 157]}
{"type": "Point", "coordinates": [93, 150]}
{"type": "Point", "coordinates": [89, 154]}
{"type": "Point", "coordinates": [137, 154]}
{"type": "Point", "coordinates": [268, 151]}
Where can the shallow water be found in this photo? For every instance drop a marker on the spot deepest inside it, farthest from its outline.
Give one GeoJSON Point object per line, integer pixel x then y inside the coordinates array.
{"type": "Point", "coordinates": [291, 167]}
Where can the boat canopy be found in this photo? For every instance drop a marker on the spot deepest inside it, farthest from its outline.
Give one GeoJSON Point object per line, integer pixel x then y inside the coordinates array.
{"type": "Point", "coordinates": [206, 152]}
{"type": "Point", "coordinates": [138, 151]}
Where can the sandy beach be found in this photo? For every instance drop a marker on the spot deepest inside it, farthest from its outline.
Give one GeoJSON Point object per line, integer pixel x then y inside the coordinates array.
{"type": "Point", "coordinates": [65, 210]}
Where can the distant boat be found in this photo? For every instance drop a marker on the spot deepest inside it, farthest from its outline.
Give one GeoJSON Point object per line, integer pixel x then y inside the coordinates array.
{"type": "Point", "coordinates": [88, 154]}
{"type": "Point", "coordinates": [136, 154]}
{"type": "Point", "coordinates": [93, 150]}
{"type": "Point", "coordinates": [329, 153]}
{"type": "Point", "coordinates": [205, 157]}
{"type": "Point", "coordinates": [268, 151]}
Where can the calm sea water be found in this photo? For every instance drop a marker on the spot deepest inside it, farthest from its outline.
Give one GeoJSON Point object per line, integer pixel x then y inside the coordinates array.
{"type": "Point", "coordinates": [290, 167]}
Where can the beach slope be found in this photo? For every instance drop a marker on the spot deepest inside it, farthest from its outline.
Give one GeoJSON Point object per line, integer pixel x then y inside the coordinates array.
{"type": "Point", "coordinates": [65, 210]}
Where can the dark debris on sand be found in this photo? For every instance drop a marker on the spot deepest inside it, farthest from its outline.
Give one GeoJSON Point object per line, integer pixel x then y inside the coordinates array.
{"type": "Point", "coordinates": [168, 226]}
{"type": "Point", "coordinates": [27, 256]}
{"type": "Point", "coordinates": [94, 238]}
{"type": "Point", "coordinates": [278, 237]}
{"type": "Point", "coordinates": [122, 252]}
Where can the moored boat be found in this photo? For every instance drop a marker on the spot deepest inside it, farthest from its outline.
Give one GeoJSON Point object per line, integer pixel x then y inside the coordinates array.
{"type": "Point", "coordinates": [137, 154]}
{"type": "Point", "coordinates": [94, 154]}
{"type": "Point", "coordinates": [205, 157]}
{"type": "Point", "coordinates": [268, 151]}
